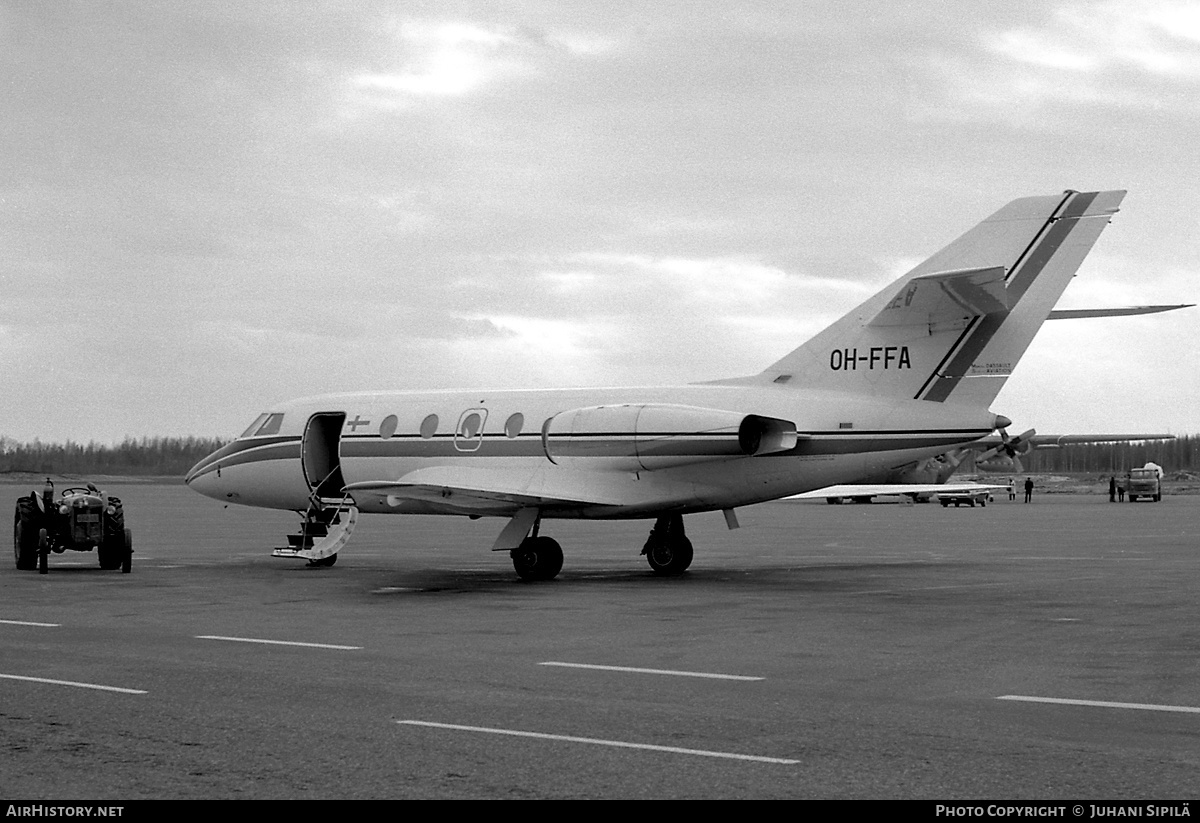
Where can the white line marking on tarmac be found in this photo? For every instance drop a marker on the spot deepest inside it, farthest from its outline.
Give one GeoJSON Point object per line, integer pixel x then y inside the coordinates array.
{"type": "Point", "coordinates": [73, 683]}
{"type": "Point", "coordinates": [276, 642]}
{"type": "Point", "coordinates": [650, 671]}
{"type": "Point", "coordinates": [29, 623]}
{"type": "Point", "coordinates": [597, 742]}
{"type": "Point", "coordinates": [1107, 704]}
{"type": "Point", "coordinates": [932, 588]}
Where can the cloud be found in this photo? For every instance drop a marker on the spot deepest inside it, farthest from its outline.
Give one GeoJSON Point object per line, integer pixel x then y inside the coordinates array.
{"type": "Point", "coordinates": [1139, 56]}
{"type": "Point", "coordinates": [440, 59]}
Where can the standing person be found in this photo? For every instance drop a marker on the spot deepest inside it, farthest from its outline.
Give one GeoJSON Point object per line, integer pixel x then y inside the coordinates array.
{"type": "Point", "coordinates": [1012, 488]}
{"type": "Point", "coordinates": [1028, 489]}
{"type": "Point", "coordinates": [1112, 489]}
{"type": "Point", "coordinates": [1121, 492]}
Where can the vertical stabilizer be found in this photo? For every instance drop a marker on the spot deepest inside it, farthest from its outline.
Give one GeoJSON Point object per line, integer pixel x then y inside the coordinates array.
{"type": "Point", "coordinates": [953, 328]}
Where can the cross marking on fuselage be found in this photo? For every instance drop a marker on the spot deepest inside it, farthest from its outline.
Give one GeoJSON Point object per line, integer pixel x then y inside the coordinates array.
{"type": "Point", "coordinates": [356, 422]}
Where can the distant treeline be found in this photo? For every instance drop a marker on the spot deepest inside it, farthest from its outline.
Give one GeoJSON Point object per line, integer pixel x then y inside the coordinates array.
{"type": "Point", "coordinates": [160, 456]}
{"type": "Point", "coordinates": [1180, 454]}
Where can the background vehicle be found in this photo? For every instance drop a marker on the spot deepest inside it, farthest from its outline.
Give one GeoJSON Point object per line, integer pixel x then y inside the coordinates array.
{"type": "Point", "coordinates": [81, 519]}
{"type": "Point", "coordinates": [982, 497]}
{"type": "Point", "coordinates": [1145, 482]}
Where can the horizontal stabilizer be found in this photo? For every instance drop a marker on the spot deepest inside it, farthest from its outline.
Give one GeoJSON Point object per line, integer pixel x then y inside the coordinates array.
{"type": "Point", "coordinates": [1121, 311]}
{"type": "Point", "coordinates": [946, 300]}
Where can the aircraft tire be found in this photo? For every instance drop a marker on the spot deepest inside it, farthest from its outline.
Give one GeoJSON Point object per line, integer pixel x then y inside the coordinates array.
{"type": "Point", "coordinates": [537, 558]}
{"type": "Point", "coordinates": [670, 557]}
{"type": "Point", "coordinates": [25, 535]}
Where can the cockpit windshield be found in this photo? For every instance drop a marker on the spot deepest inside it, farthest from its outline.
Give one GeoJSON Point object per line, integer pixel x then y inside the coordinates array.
{"type": "Point", "coordinates": [265, 423]}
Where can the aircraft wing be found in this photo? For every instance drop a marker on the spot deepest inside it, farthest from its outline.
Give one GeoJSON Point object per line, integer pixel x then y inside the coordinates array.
{"type": "Point", "coordinates": [873, 490]}
{"type": "Point", "coordinates": [463, 489]}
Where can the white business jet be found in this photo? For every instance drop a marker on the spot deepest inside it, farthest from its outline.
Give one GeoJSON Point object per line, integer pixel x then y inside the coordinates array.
{"type": "Point", "coordinates": [906, 376]}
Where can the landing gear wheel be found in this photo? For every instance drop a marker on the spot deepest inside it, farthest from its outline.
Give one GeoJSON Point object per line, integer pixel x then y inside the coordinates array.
{"type": "Point", "coordinates": [25, 535]}
{"type": "Point", "coordinates": [667, 550]}
{"type": "Point", "coordinates": [670, 557]}
{"type": "Point", "coordinates": [323, 561]}
{"type": "Point", "coordinates": [43, 551]}
{"type": "Point", "coordinates": [537, 558]}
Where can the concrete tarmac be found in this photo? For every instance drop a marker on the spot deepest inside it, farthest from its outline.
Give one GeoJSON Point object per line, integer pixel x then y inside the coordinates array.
{"type": "Point", "coordinates": [1040, 651]}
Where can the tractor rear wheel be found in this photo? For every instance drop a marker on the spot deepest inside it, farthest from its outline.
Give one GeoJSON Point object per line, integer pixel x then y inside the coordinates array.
{"type": "Point", "coordinates": [25, 534]}
{"type": "Point", "coordinates": [112, 551]}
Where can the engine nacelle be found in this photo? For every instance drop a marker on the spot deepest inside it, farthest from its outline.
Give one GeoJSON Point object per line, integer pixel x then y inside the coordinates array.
{"type": "Point", "coordinates": [656, 436]}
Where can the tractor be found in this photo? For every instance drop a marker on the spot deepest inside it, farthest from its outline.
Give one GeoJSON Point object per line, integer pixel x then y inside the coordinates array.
{"type": "Point", "coordinates": [80, 519]}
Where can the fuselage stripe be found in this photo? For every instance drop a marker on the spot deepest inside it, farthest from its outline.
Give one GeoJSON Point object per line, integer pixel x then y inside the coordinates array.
{"type": "Point", "coordinates": [815, 443]}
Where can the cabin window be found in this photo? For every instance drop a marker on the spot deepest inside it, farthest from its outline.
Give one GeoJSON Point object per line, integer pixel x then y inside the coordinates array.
{"type": "Point", "coordinates": [468, 428]}
{"type": "Point", "coordinates": [512, 426]}
{"type": "Point", "coordinates": [388, 427]}
{"type": "Point", "coordinates": [429, 426]}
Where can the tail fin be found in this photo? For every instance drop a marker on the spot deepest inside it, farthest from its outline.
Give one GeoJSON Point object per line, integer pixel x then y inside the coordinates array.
{"type": "Point", "coordinates": [953, 328]}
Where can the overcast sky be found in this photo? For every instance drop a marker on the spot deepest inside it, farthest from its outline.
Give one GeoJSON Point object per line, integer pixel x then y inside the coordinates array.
{"type": "Point", "coordinates": [207, 208]}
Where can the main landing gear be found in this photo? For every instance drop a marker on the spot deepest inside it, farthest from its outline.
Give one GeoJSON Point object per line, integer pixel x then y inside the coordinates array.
{"type": "Point", "coordinates": [537, 558]}
{"type": "Point", "coordinates": [668, 551]}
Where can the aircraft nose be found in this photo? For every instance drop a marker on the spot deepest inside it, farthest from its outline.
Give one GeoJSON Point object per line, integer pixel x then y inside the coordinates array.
{"type": "Point", "coordinates": [205, 476]}
{"type": "Point", "coordinates": [204, 482]}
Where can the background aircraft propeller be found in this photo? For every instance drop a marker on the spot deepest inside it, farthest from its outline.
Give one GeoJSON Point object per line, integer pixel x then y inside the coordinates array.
{"type": "Point", "coordinates": [1012, 447]}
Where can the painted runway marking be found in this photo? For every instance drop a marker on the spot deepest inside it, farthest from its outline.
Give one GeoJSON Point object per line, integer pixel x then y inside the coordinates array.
{"type": "Point", "coordinates": [29, 623]}
{"type": "Point", "coordinates": [597, 742]}
{"type": "Point", "coordinates": [73, 683]}
{"type": "Point", "coordinates": [276, 642]}
{"type": "Point", "coordinates": [1149, 707]}
{"type": "Point", "coordinates": [932, 588]}
{"type": "Point", "coordinates": [650, 671]}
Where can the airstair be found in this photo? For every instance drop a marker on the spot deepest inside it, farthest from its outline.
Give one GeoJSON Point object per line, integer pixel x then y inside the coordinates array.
{"type": "Point", "coordinates": [325, 528]}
